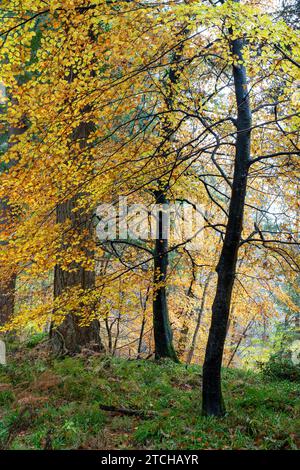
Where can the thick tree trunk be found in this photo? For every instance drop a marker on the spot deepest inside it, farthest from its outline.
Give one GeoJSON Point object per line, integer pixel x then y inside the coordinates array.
{"type": "Point", "coordinates": [69, 337]}
{"type": "Point", "coordinates": [212, 395]}
{"type": "Point", "coordinates": [163, 336]}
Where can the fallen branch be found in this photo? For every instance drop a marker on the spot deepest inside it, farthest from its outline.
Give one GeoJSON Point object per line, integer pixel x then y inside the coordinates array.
{"type": "Point", "coordinates": [128, 412]}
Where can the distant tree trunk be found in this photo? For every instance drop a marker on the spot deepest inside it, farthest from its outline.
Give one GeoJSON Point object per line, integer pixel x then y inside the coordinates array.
{"type": "Point", "coordinates": [7, 299]}
{"type": "Point", "coordinates": [242, 336]}
{"type": "Point", "coordinates": [163, 336]}
{"type": "Point", "coordinates": [69, 337]}
{"type": "Point", "coordinates": [234, 324]}
{"type": "Point", "coordinates": [200, 314]}
{"type": "Point", "coordinates": [184, 333]}
{"type": "Point", "coordinates": [109, 335]}
{"type": "Point", "coordinates": [140, 343]}
{"type": "Point", "coordinates": [8, 286]}
{"type": "Point", "coordinates": [117, 333]}
{"type": "Point", "coordinates": [143, 324]}
{"type": "Point", "coordinates": [212, 394]}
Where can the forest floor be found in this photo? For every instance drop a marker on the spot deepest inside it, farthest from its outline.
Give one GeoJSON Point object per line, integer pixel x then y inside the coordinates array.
{"type": "Point", "coordinates": [73, 403]}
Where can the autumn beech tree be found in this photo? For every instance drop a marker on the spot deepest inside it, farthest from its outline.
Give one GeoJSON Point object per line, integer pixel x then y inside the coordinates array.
{"type": "Point", "coordinates": [70, 336]}
{"type": "Point", "coordinates": [195, 102]}
{"type": "Point", "coordinates": [68, 168]}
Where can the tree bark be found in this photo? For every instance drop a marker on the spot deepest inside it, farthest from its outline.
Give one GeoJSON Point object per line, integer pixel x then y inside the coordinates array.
{"type": "Point", "coordinates": [7, 300]}
{"type": "Point", "coordinates": [183, 339]}
{"type": "Point", "coordinates": [200, 314]}
{"type": "Point", "coordinates": [213, 404]}
{"type": "Point", "coordinates": [242, 336]}
{"type": "Point", "coordinates": [8, 286]}
{"type": "Point", "coordinates": [69, 337]}
{"type": "Point", "coordinates": [143, 324]}
{"type": "Point", "coordinates": [163, 336]}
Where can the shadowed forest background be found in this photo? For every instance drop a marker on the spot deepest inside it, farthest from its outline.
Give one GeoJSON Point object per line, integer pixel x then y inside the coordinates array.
{"type": "Point", "coordinates": [129, 341]}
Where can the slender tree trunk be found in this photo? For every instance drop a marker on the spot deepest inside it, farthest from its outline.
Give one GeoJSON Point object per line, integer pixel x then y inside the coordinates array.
{"type": "Point", "coordinates": [140, 343]}
{"type": "Point", "coordinates": [184, 333]}
{"type": "Point", "coordinates": [117, 334]}
{"type": "Point", "coordinates": [163, 336]}
{"type": "Point", "coordinates": [242, 336]}
{"type": "Point", "coordinates": [212, 394]}
{"type": "Point", "coordinates": [143, 324]}
{"type": "Point", "coordinates": [200, 313]}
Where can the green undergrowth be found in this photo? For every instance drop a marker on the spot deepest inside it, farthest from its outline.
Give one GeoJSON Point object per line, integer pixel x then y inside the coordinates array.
{"type": "Point", "coordinates": [56, 404]}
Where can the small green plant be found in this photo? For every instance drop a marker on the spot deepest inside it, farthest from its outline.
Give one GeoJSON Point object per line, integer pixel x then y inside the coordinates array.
{"type": "Point", "coordinates": [6, 397]}
{"type": "Point", "coordinates": [281, 366]}
{"type": "Point", "coordinates": [282, 363]}
{"type": "Point", "coordinates": [35, 339]}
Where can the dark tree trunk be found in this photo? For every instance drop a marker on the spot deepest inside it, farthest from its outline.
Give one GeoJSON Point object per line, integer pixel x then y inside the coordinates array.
{"type": "Point", "coordinates": [109, 335]}
{"type": "Point", "coordinates": [140, 343]}
{"type": "Point", "coordinates": [7, 300]}
{"type": "Point", "coordinates": [163, 336]}
{"type": "Point", "coordinates": [8, 286]}
{"type": "Point", "coordinates": [200, 314]}
{"type": "Point", "coordinates": [212, 395]}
